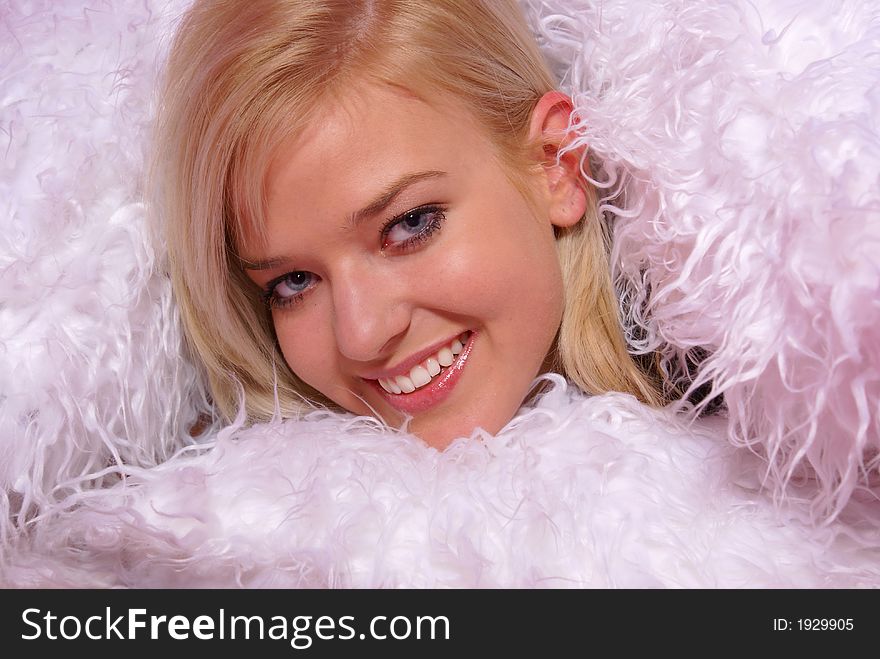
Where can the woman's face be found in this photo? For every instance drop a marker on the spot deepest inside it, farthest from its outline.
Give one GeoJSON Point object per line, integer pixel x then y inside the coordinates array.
{"type": "Point", "coordinates": [406, 274]}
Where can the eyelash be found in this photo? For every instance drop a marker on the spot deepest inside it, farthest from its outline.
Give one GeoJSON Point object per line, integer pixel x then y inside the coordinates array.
{"type": "Point", "coordinates": [273, 301]}
{"type": "Point", "coordinates": [422, 236]}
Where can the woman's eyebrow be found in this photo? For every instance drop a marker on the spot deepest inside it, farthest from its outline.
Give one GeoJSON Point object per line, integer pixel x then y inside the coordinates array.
{"type": "Point", "coordinates": [389, 194]}
{"type": "Point", "coordinates": [267, 264]}
{"type": "Point", "coordinates": [379, 204]}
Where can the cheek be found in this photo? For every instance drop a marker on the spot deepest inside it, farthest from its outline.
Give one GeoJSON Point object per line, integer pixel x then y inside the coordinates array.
{"type": "Point", "coordinates": [510, 275]}
{"type": "Point", "coordinates": [307, 344]}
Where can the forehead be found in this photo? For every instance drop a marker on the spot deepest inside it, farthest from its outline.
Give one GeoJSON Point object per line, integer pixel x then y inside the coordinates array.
{"type": "Point", "coordinates": [365, 127]}
{"type": "Point", "coordinates": [355, 143]}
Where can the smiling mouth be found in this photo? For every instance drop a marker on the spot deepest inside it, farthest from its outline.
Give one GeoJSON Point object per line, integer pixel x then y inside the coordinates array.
{"type": "Point", "coordinates": [423, 374]}
{"type": "Point", "coordinates": [432, 380]}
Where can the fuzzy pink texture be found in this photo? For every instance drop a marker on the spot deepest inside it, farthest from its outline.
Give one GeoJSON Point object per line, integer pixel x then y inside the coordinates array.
{"type": "Point", "coordinates": [577, 491]}
{"type": "Point", "coordinates": [738, 143]}
{"type": "Point", "coordinates": [92, 369]}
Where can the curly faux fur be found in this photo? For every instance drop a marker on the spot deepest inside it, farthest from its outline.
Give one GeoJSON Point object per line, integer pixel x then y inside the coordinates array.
{"type": "Point", "coordinates": [578, 491]}
{"type": "Point", "coordinates": [737, 145]}
{"type": "Point", "coordinates": [740, 147]}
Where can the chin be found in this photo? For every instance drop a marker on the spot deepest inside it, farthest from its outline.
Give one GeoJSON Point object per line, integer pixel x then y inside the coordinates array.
{"type": "Point", "coordinates": [440, 433]}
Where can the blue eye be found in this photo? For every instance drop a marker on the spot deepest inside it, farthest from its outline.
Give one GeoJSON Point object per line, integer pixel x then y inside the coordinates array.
{"type": "Point", "coordinates": [288, 289]}
{"type": "Point", "coordinates": [413, 227]}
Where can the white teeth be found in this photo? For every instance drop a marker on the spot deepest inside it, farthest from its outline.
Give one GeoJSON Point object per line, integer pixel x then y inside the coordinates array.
{"type": "Point", "coordinates": [445, 357]}
{"type": "Point", "coordinates": [422, 374]}
{"type": "Point", "coordinates": [405, 384]}
{"type": "Point", "coordinates": [389, 385]}
{"type": "Point", "coordinates": [419, 376]}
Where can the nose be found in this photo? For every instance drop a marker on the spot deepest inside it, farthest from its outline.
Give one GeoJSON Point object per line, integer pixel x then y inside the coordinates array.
{"type": "Point", "coordinates": [369, 312]}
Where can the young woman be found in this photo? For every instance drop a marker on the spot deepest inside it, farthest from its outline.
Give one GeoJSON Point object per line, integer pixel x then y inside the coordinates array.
{"type": "Point", "coordinates": [387, 208]}
{"type": "Point", "coordinates": [371, 206]}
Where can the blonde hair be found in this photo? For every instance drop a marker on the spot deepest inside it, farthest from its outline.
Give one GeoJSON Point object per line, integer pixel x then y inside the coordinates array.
{"type": "Point", "coordinates": [243, 76]}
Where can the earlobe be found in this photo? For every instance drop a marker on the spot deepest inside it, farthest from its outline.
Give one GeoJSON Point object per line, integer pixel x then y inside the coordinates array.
{"type": "Point", "coordinates": [549, 132]}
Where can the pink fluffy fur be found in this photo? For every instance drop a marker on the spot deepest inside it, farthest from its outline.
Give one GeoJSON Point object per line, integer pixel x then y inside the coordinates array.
{"type": "Point", "coordinates": [741, 142]}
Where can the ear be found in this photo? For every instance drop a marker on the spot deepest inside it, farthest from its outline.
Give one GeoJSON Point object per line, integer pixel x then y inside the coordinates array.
{"type": "Point", "coordinates": [548, 131]}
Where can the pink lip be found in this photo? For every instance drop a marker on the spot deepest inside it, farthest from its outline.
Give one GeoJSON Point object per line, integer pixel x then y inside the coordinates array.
{"type": "Point", "coordinates": [434, 393]}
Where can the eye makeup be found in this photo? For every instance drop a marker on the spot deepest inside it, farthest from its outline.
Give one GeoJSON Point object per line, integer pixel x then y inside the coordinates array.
{"type": "Point", "coordinates": [412, 228]}
{"type": "Point", "coordinates": [297, 283]}
{"type": "Point", "coordinates": [400, 234]}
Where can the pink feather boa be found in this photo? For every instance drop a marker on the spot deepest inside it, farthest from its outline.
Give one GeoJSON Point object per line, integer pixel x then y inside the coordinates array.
{"type": "Point", "coordinates": [741, 140]}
